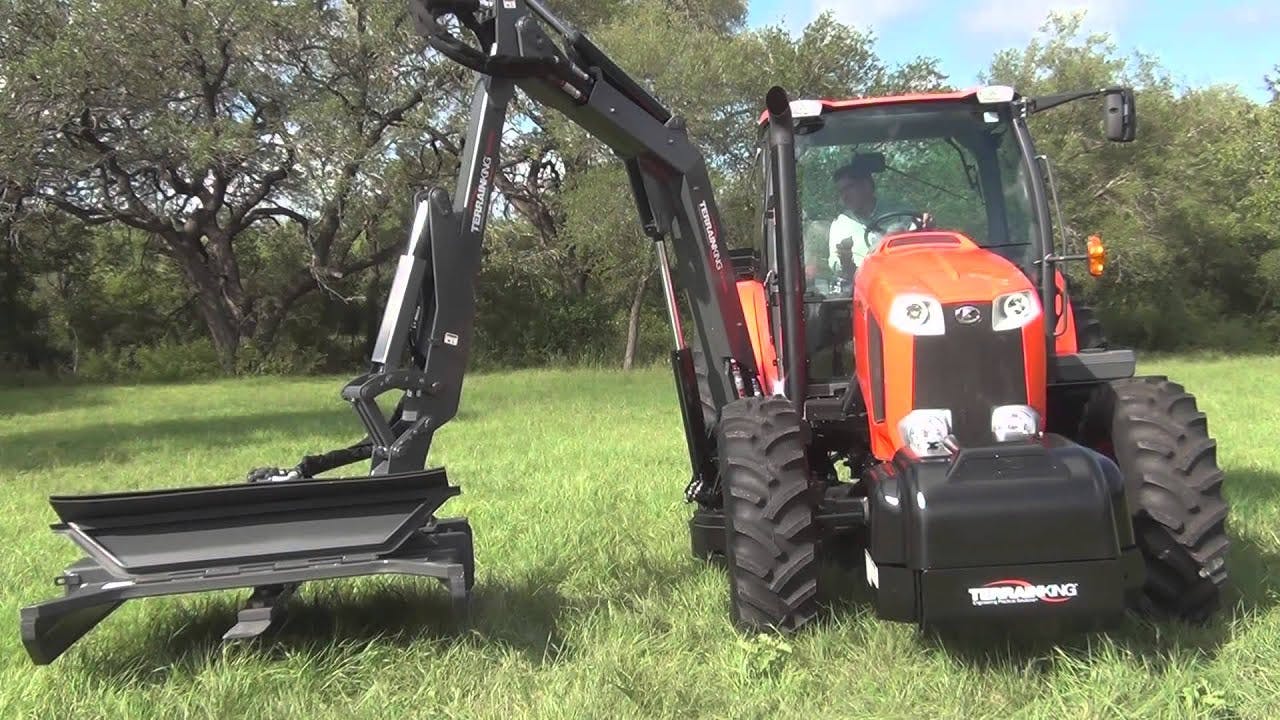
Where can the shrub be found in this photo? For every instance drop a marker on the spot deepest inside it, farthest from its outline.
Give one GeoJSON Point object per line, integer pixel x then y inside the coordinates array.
{"type": "Point", "coordinates": [166, 361]}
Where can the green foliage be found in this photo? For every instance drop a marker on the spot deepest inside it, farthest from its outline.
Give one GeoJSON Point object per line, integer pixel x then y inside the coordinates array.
{"type": "Point", "coordinates": [23, 337]}
{"type": "Point", "coordinates": [286, 358]}
{"type": "Point", "coordinates": [764, 655]}
{"type": "Point", "coordinates": [215, 124]}
{"type": "Point", "coordinates": [1201, 700]}
{"type": "Point", "coordinates": [521, 327]}
{"type": "Point", "coordinates": [88, 279]}
{"type": "Point", "coordinates": [163, 361]}
{"type": "Point", "coordinates": [1179, 209]}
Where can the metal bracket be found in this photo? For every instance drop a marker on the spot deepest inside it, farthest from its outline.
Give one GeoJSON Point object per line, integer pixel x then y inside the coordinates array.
{"type": "Point", "coordinates": [263, 608]}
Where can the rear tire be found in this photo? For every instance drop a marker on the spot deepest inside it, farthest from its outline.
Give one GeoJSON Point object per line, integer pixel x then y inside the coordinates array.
{"type": "Point", "coordinates": [1153, 430]}
{"type": "Point", "coordinates": [770, 532]}
{"type": "Point", "coordinates": [1089, 334]}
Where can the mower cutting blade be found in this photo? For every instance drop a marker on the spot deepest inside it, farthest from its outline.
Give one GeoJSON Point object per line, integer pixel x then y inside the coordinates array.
{"type": "Point", "coordinates": [267, 536]}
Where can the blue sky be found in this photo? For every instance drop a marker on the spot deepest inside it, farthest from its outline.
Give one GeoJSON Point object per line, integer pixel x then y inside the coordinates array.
{"type": "Point", "coordinates": [1232, 41]}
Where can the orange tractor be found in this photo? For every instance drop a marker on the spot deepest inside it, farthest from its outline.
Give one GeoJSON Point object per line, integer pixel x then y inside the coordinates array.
{"type": "Point", "coordinates": [894, 375]}
{"type": "Point", "coordinates": [909, 317]}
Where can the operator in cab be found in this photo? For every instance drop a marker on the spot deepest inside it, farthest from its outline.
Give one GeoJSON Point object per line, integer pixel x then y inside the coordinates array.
{"type": "Point", "coordinates": [834, 259]}
{"type": "Point", "coordinates": [848, 242]}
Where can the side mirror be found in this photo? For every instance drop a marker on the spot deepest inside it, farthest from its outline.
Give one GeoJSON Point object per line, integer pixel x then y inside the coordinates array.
{"type": "Point", "coordinates": [1120, 115]}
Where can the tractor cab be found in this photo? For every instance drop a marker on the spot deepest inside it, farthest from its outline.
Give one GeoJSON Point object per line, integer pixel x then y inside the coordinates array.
{"type": "Point", "coordinates": [956, 162]}
{"type": "Point", "coordinates": [867, 169]}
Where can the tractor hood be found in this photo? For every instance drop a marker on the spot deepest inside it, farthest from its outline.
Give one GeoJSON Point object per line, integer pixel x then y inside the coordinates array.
{"type": "Point", "coordinates": [947, 265]}
{"type": "Point", "coordinates": [967, 359]}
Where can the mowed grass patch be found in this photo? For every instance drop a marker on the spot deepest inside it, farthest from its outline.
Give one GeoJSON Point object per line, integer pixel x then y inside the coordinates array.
{"type": "Point", "coordinates": [587, 603]}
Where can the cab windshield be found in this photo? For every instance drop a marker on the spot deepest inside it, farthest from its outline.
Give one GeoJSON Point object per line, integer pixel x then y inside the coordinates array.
{"type": "Point", "coordinates": [863, 173]}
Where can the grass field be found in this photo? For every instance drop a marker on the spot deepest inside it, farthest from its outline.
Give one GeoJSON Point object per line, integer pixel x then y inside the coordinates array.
{"type": "Point", "coordinates": [587, 603]}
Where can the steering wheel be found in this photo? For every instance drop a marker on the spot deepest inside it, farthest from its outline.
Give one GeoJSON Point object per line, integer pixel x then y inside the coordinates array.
{"type": "Point", "coordinates": [919, 221]}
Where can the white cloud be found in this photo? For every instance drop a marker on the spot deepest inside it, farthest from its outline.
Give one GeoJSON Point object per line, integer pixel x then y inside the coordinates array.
{"type": "Point", "coordinates": [866, 14]}
{"type": "Point", "coordinates": [1022, 18]}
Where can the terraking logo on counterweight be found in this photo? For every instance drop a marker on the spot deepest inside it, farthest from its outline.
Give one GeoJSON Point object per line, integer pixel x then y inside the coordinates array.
{"type": "Point", "coordinates": [1017, 592]}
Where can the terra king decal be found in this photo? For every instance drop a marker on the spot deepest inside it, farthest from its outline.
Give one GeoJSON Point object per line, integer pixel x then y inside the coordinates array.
{"type": "Point", "coordinates": [712, 238]}
{"type": "Point", "coordinates": [482, 193]}
{"type": "Point", "coordinates": [483, 185]}
{"type": "Point", "coordinates": [1018, 592]}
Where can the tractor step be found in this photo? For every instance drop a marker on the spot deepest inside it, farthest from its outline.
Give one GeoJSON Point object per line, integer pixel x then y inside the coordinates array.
{"type": "Point", "coordinates": [841, 513]}
{"type": "Point", "coordinates": [267, 536]}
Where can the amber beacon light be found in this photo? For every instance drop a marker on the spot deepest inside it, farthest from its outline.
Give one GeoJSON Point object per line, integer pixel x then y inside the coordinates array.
{"type": "Point", "coordinates": [1097, 256]}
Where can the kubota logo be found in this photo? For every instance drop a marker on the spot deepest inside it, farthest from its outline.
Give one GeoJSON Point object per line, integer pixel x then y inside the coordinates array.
{"type": "Point", "coordinates": [1012, 592]}
{"type": "Point", "coordinates": [968, 314]}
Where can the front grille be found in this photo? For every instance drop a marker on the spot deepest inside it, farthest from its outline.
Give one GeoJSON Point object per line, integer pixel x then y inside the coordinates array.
{"type": "Point", "coordinates": [875, 353]}
{"type": "Point", "coordinates": [970, 370]}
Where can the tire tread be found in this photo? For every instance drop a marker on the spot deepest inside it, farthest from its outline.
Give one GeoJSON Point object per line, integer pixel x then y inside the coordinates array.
{"type": "Point", "coordinates": [770, 533]}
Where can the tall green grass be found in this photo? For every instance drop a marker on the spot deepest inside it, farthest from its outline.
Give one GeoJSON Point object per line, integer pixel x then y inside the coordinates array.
{"type": "Point", "coordinates": [587, 603]}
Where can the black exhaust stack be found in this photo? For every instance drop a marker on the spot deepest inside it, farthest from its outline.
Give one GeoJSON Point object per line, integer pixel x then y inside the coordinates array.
{"type": "Point", "coordinates": [785, 206]}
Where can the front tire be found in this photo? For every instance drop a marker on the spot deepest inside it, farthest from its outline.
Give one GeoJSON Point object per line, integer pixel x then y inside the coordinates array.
{"type": "Point", "coordinates": [1153, 430]}
{"type": "Point", "coordinates": [770, 532]}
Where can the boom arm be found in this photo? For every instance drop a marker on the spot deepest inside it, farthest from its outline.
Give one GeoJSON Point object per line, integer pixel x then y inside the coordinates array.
{"type": "Point", "coordinates": [425, 337]}
{"type": "Point", "coordinates": [669, 175]}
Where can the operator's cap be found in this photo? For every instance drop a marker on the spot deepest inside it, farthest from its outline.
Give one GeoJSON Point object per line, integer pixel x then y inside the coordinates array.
{"type": "Point", "coordinates": [862, 165]}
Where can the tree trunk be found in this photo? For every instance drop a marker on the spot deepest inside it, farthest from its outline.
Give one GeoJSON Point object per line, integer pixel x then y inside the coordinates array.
{"type": "Point", "coordinates": [222, 329]}
{"type": "Point", "coordinates": [75, 349]}
{"type": "Point", "coordinates": [272, 314]}
{"type": "Point", "coordinates": [219, 315]}
{"type": "Point", "coordinates": [10, 203]}
{"type": "Point", "coordinates": [633, 323]}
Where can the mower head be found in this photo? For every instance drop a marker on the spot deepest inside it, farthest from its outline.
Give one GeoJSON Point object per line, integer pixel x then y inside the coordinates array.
{"type": "Point", "coordinates": [270, 536]}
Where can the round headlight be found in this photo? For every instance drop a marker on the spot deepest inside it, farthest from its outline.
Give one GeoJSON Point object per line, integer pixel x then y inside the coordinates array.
{"type": "Point", "coordinates": [925, 430]}
{"type": "Point", "coordinates": [1014, 422]}
{"type": "Point", "coordinates": [917, 314]}
{"type": "Point", "coordinates": [1014, 310]}
{"type": "Point", "coordinates": [1016, 306]}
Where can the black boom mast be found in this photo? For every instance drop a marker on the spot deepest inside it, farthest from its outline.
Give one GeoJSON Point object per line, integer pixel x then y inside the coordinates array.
{"type": "Point", "coordinates": [674, 197]}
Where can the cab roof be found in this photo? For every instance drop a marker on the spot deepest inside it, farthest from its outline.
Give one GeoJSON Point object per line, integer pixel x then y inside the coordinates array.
{"type": "Point", "coordinates": [811, 107]}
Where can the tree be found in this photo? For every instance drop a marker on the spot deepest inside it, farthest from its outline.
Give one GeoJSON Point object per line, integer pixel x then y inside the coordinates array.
{"type": "Point", "coordinates": [197, 122]}
{"type": "Point", "coordinates": [1183, 268]}
{"type": "Point", "coordinates": [20, 341]}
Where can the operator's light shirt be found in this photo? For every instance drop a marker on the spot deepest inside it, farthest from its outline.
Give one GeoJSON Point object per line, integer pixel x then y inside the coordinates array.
{"type": "Point", "coordinates": [845, 227]}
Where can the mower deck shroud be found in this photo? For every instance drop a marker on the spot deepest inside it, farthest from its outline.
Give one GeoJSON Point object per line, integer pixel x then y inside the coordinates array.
{"type": "Point", "coordinates": [268, 536]}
